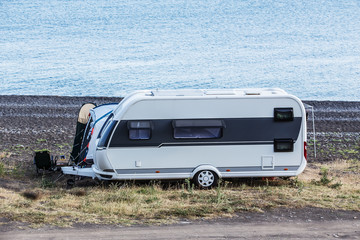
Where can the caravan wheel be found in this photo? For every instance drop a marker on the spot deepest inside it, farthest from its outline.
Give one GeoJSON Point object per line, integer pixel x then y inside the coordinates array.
{"type": "Point", "coordinates": [206, 179]}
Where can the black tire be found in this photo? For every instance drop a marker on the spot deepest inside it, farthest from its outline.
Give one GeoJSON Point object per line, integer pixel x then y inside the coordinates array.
{"type": "Point", "coordinates": [206, 179]}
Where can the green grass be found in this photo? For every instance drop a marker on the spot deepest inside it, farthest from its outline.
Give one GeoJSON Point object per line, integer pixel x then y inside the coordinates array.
{"type": "Point", "coordinates": [2, 169]}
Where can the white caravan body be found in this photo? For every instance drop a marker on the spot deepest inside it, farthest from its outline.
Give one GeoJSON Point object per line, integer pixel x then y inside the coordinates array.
{"type": "Point", "coordinates": [202, 134]}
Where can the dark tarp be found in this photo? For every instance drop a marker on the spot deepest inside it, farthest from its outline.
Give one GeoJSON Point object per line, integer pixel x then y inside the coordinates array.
{"type": "Point", "coordinates": [83, 117]}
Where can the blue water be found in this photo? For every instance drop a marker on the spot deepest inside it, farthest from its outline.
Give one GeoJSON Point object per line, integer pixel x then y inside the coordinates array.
{"type": "Point", "coordinates": [310, 48]}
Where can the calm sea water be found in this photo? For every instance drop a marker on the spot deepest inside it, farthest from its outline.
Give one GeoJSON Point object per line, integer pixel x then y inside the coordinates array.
{"type": "Point", "coordinates": [310, 48]}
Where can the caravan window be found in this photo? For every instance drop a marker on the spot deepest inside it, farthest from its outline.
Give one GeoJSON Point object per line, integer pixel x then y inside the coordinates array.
{"type": "Point", "coordinates": [104, 140]}
{"type": "Point", "coordinates": [198, 129]}
{"type": "Point", "coordinates": [283, 114]}
{"type": "Point", "coordinates": [106, 123]}
{"type": "Point", "coordinates": [283, 145]}
{"type": "Point", "coordinates": [139, 130]}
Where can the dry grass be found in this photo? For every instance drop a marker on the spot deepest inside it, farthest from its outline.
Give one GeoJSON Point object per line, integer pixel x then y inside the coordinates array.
{"type": "Point", "coordinates": [131, 204]}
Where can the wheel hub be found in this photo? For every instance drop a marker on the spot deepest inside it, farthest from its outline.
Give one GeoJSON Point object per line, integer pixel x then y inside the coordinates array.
{"type": "Point", "coordinates": [206, 178]}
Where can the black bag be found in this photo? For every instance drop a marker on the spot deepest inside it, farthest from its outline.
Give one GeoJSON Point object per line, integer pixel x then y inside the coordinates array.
{"type": "Point", "coordinates": [43, 160]}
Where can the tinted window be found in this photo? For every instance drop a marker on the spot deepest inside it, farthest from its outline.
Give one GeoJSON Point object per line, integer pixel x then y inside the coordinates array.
{"type": "Point", "coordinates": [139, 130]}
{"type": "Point", "coordinates": [283, 145]}
{"type": "Point", "coordinates": [197, 132]}
{"type": "Point", "coordinates": [198, 129]}
{"type": "Point", "coordinates": [106, 134]}
{"type": "Point", "coordinates": [283, 114]}
{"type": "Point", "coordinates": [106, 123]}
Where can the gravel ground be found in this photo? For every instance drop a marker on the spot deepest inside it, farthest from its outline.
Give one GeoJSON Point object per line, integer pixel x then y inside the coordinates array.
{"type": "Point", "coordinates": [337, 131]}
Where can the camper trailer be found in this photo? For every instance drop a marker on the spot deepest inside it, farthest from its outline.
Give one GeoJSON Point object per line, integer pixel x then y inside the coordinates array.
{"type": "Point", "coordinates": [203, 135]}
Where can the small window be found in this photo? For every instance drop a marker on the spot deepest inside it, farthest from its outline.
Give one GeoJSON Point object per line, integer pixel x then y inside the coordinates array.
{"type": "Point", "coordinates": [283, 114]}
{"type": "Point", "coordinates": [198, 129]}
{"type": "Point", "coordinates": [139, 130]}
{"type": "Point", "coordinates": [283, 145]}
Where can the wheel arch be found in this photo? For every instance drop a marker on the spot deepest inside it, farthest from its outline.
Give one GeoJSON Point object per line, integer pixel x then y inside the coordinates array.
{"type": "Point", "coordinates": [205, 167]}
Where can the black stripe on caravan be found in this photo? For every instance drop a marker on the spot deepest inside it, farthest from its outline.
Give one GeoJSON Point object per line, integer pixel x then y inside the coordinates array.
{"type": "Point", "coordinates": [240, 130]}
{"type": "Point", "coordinates": [189, 170]}
{"type": "Point", "coordinates": [212, 143]}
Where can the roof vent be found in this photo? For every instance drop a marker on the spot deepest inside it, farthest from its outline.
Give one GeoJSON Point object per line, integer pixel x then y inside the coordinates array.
{"type": "Point", "coordinates": [252, 93]}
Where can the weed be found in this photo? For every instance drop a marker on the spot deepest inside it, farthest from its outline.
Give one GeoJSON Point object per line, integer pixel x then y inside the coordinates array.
{"type": "Point", "coordinates": [324, 180]}
{"type": "Point", "coordinates": [152, 200]}
{"type": "Point", "coordinates": [299, 185]}
{"type": "Point", "coordinates": [147, 190]}
{"type": "Point", "coordinates": [85, 204]}
{"type": "Point", "coordinates": [38, 217]}
{"type": "Point", "coordinates": [114, 186]}
{"type": "Point", "coordinates": [56, 196]}
{"type": "Point", "coordinates": [18, 171]}
{"type": "Point", "coordinates": [190, 186]}
{"type": "Point", "coordinates": [219, 194]}
{"type": "Point", "coordinates": [19, 146]}
{"type": "Point", "coordinates": [336, 185]}
{"type": "Point", "coordinates": [355, 196]}
{"type": "Point", "coordinates": [59, 145]}
{"type": "Point", "coordinates": [42, 150]}
{"type": "Point", "coordinates": [342, 196]}
{"type": "Point", "coordinates": [351, 151]}
{"type": "Point", "coordinates": [45, 183]}
{"type": "Point", "coordinates": [2, 169]}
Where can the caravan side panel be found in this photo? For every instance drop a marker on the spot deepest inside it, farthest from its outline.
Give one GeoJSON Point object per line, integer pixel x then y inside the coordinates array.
{"type": "Point", "coordinates": [143, 144]}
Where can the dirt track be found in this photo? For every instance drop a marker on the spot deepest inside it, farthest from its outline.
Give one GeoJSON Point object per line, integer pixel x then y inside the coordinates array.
{"type": "Point", "coordinates": [265, 230]}
{"type": "Point", "coordinates": [308, 223]}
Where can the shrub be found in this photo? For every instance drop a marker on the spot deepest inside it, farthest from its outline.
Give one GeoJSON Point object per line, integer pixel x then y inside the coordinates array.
{"type": "Point", "coordinates": [324, 180]}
